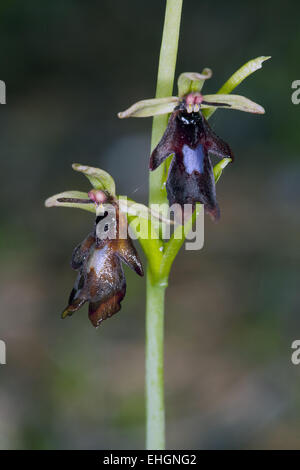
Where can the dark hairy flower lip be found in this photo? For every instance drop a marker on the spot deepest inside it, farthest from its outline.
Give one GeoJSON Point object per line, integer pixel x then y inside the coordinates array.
{"type": "Point", "coordinates": [191, 140]}
{"type": "Point", "coordinates": [101, 280]}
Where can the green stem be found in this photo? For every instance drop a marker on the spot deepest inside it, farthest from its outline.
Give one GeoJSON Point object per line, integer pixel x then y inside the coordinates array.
{"type": "Point", "coordinates": [164, 87]}
{"type": "Point", "coordinates": [155, 365]}
{"type": "Point", "coordinates": [156, 284]}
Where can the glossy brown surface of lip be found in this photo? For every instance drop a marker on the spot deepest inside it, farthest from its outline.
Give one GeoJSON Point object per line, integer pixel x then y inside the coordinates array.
{"type": "Point", "coordinates": [101, 280]}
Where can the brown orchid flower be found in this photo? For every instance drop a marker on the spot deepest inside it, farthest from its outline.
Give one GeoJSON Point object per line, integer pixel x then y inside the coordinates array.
{"type": "Point", "coordinates": [98, 260]}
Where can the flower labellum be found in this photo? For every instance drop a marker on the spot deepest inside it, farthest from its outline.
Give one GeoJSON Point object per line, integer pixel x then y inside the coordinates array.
{"type": "Point", "coordinates": [98, 260]}
{"type": "Point", "coordinates": [191, 141]}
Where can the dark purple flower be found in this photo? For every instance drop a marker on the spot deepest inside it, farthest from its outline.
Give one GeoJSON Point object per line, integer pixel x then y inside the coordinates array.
{"type": "Point", "coordinates": [189, 137]}
{"type": "Point", "coordinates": [101, 280]}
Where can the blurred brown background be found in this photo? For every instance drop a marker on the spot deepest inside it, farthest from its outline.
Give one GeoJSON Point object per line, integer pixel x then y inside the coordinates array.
{"type": "Point", "coordinates": [232, 308]}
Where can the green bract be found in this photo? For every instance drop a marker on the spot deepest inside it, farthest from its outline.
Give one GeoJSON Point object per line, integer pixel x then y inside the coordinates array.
{"type": "Point", "coordinates": [219, 167]}
{"type": "Point", "coordinates": [237, 78]}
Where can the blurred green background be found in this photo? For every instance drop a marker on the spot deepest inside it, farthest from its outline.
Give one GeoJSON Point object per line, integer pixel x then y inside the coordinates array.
{"type": "Point", "coordinates": [232, 308]}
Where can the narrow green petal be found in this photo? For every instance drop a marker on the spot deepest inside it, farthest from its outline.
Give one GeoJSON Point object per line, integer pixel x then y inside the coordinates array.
{"type": "Point", "coordinates": [152, 107]}
{"type": "Point", "coordinates": [232, 102]}
{"type": "Point", "coordinates": [192, 81]}
{"type": "Point", "coordinates": [240, 75]}
{"type": "Point", "coordinates": [98, 178]}
{"type": "Point", "coordinates": [53, 201]}
{"type": "Point", "coordinates": [219, 167]}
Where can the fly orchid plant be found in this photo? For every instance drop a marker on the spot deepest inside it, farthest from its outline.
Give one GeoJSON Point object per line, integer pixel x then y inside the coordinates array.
{"type": "Point", "coordinates": [181, 173]}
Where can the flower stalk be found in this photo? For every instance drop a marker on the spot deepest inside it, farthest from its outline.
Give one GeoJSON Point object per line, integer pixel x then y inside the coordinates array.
{"type": "Point", "coordinates": [155, 408]}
